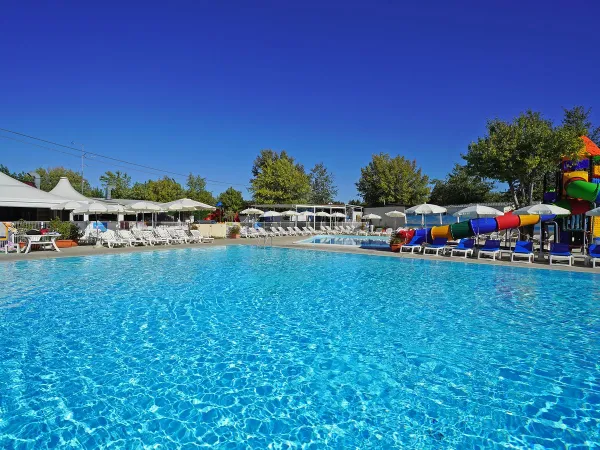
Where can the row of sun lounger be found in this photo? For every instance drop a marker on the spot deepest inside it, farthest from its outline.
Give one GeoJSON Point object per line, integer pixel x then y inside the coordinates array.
{"type": "Point", "coordinates": [154, 236]}
{"type": "Point", "coordinates": [249, 232]}
{"type": "Point", "coordinates": [523, 250]}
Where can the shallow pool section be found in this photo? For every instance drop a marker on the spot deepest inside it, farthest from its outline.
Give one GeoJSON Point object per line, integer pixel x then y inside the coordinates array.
{"type": "Point", "coordinates": [354, 241]}
{"type": "Point", "coordinates": [251, 347]}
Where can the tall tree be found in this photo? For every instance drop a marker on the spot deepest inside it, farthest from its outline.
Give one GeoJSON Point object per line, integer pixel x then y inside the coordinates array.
{"type": "Point", "coordinates": [96, 192]}
{"type": "Point", "coordinates": [322, 188]}
{"type": "Point", "coordinates": [520, 153]}
{"type": "Point", "coordinates": [392, 180]}
{"type": "Point", "coordinates": [232, 201]}
{"type": "Point", "coordinates": [268, 156]}
{"type": "Point", "coordinates": [578, 120]}
{"type": "Point", "coordinates": [279, 179]}
{"type": "Point", "coordinates": [196, 190]}
{"type": "Point", "coordinates": [120, 181]}
{"type": "Point", "coordinates": [461, 187]}
{"type": "Point", "coordinates": [163, 190]}
{"type": "Point", "coordinates": [51, 176]}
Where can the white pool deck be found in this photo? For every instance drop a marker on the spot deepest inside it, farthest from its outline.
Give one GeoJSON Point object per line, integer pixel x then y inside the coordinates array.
{"type": "Point", "coordinates": [290, 242]}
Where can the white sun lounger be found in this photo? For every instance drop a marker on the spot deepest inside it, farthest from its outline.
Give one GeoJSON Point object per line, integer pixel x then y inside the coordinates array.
{"type": "Point", "coordinates": [200, 238]}
{"type": "Point", "coordinates": [149, 234]}
{"type": "Point", "coordinates": [111, 240]}
{"type": "Point", "coordinates": [131, 240]}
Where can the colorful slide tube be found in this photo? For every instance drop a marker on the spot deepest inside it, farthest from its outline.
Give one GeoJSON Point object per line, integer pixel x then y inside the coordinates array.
{"type": "Point", "coordinates": [584, 190]}
{"type": "Point", "coordinates": [581, 191]}
{"type": "Point", "coordinates": [475, 227]}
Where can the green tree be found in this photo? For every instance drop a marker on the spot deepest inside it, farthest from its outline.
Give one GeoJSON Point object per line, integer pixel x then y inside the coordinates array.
{"type": "Point", "coordinates": [268, 156]}
{"type": "Point", "coordinates": [520, 153]}
{"type": "Point", "coordinates": [232, 201]}
{"type": "Point", "coordinates": [322, 189]}
{"type": "Point", "coordinates": [392, 180]}
{"type": "Point", "coordinates": [279, 179]}
{"type": "Point", "coordinates": [578, 120]}
{"type": "Point", "coordinates": [120, 181]}
{"type": "Point", "coordinates": [164, 190]}
{"type": "Point", "coordinates": [357, 202]}
{"type": "Point", "coordinates": [461, 187]}
{"type": "Point", "coordinates": [196, 190]}
{"type": "Point", "coordinates": [51, 176]}
{"type": "Point", "coordinates": [96, 192]}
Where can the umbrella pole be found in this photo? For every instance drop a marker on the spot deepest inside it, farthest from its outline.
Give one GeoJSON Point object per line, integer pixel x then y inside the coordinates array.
{"type": "Point", "coordinates": [542, 242]}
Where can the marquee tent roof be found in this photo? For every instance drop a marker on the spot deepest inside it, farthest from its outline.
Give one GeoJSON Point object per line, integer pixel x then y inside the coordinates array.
{"type": "Point", "coordinates": [64, 189]}
{"type": "Point", "coordinates": [14, 194]}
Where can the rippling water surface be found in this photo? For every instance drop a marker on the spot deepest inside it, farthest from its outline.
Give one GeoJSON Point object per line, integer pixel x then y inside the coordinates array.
{"type": "Point", "coordinates": [271, 348]}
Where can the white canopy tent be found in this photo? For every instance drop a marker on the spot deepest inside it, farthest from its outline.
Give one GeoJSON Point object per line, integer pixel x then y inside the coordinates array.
{"type": "Point", "coordinates": [64, 189]}
{"type": "Point", "coordinates": [15, 194]}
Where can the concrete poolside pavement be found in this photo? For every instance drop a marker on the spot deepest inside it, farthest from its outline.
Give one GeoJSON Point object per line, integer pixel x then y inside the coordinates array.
{"type": "Point", "coordinates": [290, 242]}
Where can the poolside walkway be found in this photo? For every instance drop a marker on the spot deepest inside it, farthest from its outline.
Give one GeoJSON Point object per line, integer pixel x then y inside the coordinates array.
{"type": "Point", "coordinates": [282, 242]}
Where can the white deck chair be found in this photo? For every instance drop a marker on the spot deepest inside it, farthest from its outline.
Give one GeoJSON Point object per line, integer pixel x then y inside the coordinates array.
{"type": "Point", "coordinates": [131, 240]}
{"type": "Point", "coordinates": [111, 240]}
{"type": "Point", "coordinates": [177, 233]}
{"type": "Point", "coordinates": [200, 238]}
{"type": "Point", "coordinates": [282, 231]}
{"type": "Point", "coordinates": [192, 238]}
{"type": "Point", "coordinates": [164, 234]}
{"type": "Point", "coordinates": [149, 234]}
{"type": "Point", "coordinates": [291, 231]}
{"type": "Point", "coordinates": [252, 233]}
{"type": "Point", "coordinates": [262, 232]}
{"type": "Point", "coordinates": [299, 232]}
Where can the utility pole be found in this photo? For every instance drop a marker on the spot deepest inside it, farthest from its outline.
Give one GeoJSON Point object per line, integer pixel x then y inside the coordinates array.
{"type": "Point", "coordinates": [83, 154]}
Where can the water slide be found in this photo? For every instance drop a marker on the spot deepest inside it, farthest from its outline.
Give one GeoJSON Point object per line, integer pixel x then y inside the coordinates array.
{"type": "Point", "coordinates": [474, 227]}
{"type": "Point", "coordinates": [582, 193]}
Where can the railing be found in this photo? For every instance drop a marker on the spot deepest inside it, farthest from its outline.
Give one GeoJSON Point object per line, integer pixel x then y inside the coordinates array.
{"type": "Point", "coordinates": [24, 225]}
{"type": "Point", "coordinates": [304, 223]}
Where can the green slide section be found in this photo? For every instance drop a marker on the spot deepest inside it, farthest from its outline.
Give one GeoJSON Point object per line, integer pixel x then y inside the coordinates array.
{"type": "Point", "coordinates": [583, 190]}
{"type": "Point", "coordinates": [460, 230]}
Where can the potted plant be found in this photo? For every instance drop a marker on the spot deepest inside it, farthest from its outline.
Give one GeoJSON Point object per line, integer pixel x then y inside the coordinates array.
{"type": "Point", "coordinates": [69, 233]}
{"type": "Point", "coordinates": [234, 232]}
{"type": "Point", "coordinates": [396, 241]}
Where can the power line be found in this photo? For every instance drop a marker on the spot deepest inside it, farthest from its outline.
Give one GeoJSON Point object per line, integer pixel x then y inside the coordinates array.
{"type": "Point", "coordinates": [111, 158]}
{"type": "Point", "coordinates": [78, 156]}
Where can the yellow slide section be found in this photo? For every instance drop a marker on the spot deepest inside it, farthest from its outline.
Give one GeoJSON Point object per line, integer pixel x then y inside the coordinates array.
{"type": "Point", "coordinates": [596, 226]}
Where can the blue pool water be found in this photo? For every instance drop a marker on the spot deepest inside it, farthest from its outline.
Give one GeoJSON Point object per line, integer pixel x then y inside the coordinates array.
{"type": "Point", "coordinates": [355, 241]}
{"type": "Point", "coordinates": [245, 347]}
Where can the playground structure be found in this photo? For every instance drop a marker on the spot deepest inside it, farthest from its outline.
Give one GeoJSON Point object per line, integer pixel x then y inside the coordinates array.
{"type": "Point", "coordinates": [575, 186]}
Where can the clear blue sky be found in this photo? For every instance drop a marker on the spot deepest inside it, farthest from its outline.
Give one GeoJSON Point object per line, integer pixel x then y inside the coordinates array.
{"type": "Point", "coordinates": [202, 86]}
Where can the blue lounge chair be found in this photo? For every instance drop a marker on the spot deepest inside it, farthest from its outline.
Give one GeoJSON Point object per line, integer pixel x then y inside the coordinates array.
{"type": "Point", "coordinates": [490, 248]}
{"type": "Point", "coordinates": [560, 252]}
{"type": "Point", "coordinates": [523, 249]}
{"type": "Point", "coordinates": [593, 255]}
{"type": "Point", "coordinates": [465, 246]}
{"type": "Point", "coordinates": [438, 245]}
{"type": "Point", "coordinates": [414, 244]}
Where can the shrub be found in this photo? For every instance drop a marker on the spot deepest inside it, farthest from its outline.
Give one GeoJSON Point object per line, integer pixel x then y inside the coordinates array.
{"type": "Point", "coordinates": [234, 230]}
{"type": "Point", "coordinates": [67, 230]}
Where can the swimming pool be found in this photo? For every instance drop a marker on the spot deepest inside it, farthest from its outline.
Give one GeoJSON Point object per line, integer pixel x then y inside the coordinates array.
{"type": "Point", "coordinates": [355, 241]}
{"type": "Point", "coordinates": [267, 348]}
